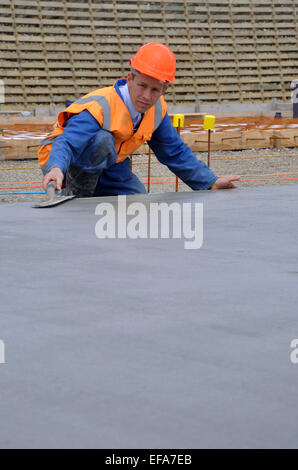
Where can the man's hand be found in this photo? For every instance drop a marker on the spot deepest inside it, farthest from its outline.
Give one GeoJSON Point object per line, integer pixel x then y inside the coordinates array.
{"type": "Point", "coordinates": [225, 182]}
{"type": "Point", "coordinates": [56, 175]}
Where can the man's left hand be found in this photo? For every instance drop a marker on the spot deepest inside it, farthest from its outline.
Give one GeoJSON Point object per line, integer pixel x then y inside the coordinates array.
{"type": "Point", "coordinates": [225, 182]}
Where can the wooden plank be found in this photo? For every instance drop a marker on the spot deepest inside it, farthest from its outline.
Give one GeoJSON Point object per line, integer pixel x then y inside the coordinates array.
{"type": "Point", "coordinates": [46, 121]}
{"type": "Point", "coordinates": [16, 149]}
{"type": "Point", "coordinates": [49, 38]}
{"type": "Point", "coordinates": [241, 140]}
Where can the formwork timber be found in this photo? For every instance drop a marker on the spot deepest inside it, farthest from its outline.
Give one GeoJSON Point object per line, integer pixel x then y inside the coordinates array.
{"type": "Point", "coordinates": [139, 343]}
{"type": "Point", "coordinates": [14, 149]}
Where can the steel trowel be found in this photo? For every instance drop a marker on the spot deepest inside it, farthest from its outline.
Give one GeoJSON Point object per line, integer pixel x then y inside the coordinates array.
{"type": "Point", "coordinates": [53, 198]}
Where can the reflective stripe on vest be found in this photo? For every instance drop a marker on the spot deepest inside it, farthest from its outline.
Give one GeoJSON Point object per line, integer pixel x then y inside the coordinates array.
{"type": "Point", "coordinates": [104, 104]}
{"type": "Point", "coordinates": [157, 115]}
{"type": "Point", "coordinates": [106, 111]}
{"type": "Point", "coordinates": [46, 141]}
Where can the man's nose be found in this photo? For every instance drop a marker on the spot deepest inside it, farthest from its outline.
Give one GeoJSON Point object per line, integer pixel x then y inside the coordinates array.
{"type": "Point", "coordinates": [147, 94]}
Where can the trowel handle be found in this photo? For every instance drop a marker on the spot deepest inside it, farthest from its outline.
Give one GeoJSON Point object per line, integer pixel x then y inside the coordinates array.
{"type": "Point", "coordinates": [51, 190]}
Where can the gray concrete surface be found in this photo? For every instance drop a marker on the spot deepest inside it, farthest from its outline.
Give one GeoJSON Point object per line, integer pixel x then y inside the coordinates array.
{"type": "Point", "coordinates": [142, 344]}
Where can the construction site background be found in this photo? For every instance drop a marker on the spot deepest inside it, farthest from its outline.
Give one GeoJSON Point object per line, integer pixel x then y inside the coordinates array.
{"type": "Point", "coordinates": [228, 52]}
{"type": "Point", "coordinates": [235, 59]}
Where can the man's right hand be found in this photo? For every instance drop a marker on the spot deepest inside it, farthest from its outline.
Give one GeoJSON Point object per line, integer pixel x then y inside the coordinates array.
{"type": "Point", "coordinates": [56, 175]}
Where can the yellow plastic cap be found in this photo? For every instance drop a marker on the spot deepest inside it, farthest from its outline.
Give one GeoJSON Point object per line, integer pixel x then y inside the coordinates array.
{"type": "Point", "coordinates": [177, 118]}
{"type": "Point", "coordinates": [209, 121]}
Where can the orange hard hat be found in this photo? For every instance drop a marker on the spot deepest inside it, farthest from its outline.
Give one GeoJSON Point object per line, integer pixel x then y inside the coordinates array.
{"type": "Point", "coordinates": [156, 60]}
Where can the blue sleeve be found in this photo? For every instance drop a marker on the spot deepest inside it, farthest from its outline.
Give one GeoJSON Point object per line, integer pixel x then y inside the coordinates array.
{"type": "Point", "coordinates": [79, 129]}
{"type": "Point", "coordinates": [170, 150]}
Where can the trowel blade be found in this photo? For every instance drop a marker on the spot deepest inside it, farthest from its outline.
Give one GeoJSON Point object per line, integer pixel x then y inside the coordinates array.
{"type": "Point", "coordinates": [53, 202]}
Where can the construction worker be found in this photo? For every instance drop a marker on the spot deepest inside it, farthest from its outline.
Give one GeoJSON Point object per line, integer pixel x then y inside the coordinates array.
{"type": "Point", "coordinates": [89, 147]}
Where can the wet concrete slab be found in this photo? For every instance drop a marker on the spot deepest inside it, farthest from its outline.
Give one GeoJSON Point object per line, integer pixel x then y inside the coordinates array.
{"type": "Point", "coordinates": [123, 343]}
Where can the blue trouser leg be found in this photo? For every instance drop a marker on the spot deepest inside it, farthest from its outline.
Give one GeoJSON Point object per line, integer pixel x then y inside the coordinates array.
{"type": "Point", "coordinates": [84, 171]}
{"type": "Point", "coordinates": [119, 179]}
{"type": "Point", "coordinates": [95, 173]}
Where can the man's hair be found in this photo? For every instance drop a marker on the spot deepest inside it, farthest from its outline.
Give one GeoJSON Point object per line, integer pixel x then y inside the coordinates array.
{"type": "Point", "coordinates": [135, 73]}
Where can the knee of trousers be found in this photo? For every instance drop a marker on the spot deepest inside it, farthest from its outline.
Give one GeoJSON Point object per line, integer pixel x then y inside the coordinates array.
{"type": "Point", "coordinates": [103, 149]}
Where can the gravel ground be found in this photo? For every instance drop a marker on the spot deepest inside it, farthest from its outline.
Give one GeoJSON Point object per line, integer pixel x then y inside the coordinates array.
{"type": "Point", "coordinates": [271, 163]}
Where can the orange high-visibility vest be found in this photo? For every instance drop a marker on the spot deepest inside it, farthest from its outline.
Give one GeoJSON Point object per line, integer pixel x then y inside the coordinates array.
{"type": "Point", "coordinates": [107, 107]}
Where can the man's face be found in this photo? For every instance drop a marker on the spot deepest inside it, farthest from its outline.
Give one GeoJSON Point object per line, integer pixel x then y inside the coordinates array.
{"type": "Point", "coordinates": [144, 91]}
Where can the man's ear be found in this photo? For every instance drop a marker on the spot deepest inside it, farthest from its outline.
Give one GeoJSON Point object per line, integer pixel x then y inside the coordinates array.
{"type": "Point", "coordinates": [165, 87]}
{"type": "Point", "coordinates": [129, 77]}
